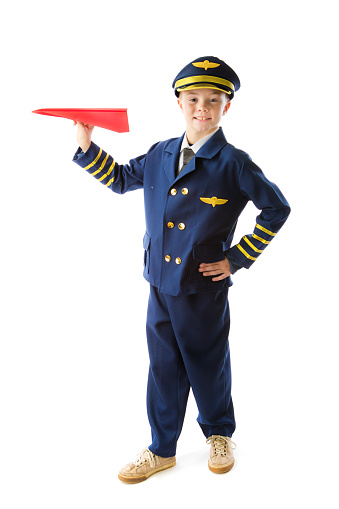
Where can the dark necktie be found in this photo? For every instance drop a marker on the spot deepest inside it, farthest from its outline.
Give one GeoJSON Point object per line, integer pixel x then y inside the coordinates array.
{"type": "Point", "coordinates": [188, 154]}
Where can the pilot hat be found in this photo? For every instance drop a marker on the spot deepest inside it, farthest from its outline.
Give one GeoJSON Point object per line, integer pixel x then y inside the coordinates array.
{"type": "Point", "coordinates": [207, 72]}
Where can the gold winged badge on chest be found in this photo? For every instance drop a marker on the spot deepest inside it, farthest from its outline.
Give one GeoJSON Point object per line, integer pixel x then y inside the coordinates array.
{"type": "Point", "coordinates": [214, 201]}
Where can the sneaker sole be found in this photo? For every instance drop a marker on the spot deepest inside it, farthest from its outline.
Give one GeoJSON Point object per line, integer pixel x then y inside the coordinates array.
{"type": "Point", "coordinates": [221, 470]}
{"type": "Point", "coordinates": [141, 478]}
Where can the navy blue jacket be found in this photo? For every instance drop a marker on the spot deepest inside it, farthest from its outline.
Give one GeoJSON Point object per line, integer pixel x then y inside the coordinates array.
{"type": "Point", "coordinates": [191, 218]}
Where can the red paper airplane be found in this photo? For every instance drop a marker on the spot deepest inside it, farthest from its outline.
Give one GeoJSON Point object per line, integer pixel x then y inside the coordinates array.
{"type": "Point", "coordinates": [114, 119]}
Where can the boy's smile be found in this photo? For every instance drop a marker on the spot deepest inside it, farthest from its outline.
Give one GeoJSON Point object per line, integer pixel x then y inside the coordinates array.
{"type": "Point", "coordinates": [202, 109]}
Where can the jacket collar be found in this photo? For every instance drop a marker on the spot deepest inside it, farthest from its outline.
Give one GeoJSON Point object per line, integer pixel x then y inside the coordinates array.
{"type": "Point", "coordinates": [171, 160]}
{"type": "Point", "coordinates": [207, 151]}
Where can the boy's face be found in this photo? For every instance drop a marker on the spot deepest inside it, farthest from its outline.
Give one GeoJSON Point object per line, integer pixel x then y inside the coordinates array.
{"type": "Point", "coordinates": [202, 109]}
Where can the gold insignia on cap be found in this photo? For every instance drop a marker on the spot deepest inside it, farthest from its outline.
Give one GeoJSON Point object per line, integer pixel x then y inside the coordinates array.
{"type": "Point", "coordinates": [214, 201]}
{"type": "Point", "coordinates": [206, 64]}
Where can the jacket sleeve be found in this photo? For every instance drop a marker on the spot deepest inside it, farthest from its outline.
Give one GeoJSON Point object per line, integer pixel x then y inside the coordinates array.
{"type": "Point", "coordinates": [275, 209]}
{"type": "Point", "coordinates": [119, 178]}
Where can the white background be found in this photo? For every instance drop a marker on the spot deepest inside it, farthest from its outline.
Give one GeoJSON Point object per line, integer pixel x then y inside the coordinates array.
{"type": "Point", "coordinates": [73, 301]}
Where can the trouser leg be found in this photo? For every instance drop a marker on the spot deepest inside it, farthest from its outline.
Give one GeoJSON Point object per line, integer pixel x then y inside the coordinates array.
{"type": "Point", "coordinates": [201, 326]}
{"type": "Point", "coordinates": [168, 386]}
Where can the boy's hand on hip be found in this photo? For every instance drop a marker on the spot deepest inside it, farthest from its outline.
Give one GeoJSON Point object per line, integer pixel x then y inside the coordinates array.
{"type": "Point", "coordinates": [220, 269]}
{"type": "Point", "coordinates": [84, 135]}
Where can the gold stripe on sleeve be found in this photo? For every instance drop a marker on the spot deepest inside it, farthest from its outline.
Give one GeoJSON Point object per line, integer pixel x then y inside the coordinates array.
{"type": "Point", "coordinates": [108, 173]}
{"type": "Point", "coordinates": [261, 240]}
{"type": "Point", "coordinates": [244, 252]}
{"type": "Point", "coordinates": [95, 160]}
{"type": "Point", "coordinates": [110, 182]}
{"type": "Point", "coordinates": [264, 230]}
{"type": "Point", "coordinates": [252, 245]}
{"type": "Point", "coordinates": [101, 167]}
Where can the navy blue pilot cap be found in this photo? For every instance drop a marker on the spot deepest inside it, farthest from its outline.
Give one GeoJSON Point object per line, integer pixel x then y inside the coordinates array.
{"type": "Point", "coordinates": [207, 72]}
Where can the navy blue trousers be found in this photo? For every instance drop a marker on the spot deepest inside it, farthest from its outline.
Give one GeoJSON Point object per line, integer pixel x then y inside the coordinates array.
{"type": "Point", "coordinates": [188, 347]}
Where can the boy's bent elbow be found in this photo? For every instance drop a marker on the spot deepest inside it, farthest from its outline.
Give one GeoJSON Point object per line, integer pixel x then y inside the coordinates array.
{"type": "Point", "coordinates": [286, 210]}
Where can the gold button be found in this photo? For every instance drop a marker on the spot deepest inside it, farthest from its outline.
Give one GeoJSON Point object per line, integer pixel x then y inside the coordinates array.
{"type": "Point", "coordinates": [170, 225]}
{"type": "Point", "coordinates": [173, 192]}
{"type": "Point", "coordinates": [168, 258]}
{"type": "Point", "coordinates": [184, 190]}
{"type": "Point", "coordinates": [181, 226]}
{"type": "Point", "coordinates": [178, 261]}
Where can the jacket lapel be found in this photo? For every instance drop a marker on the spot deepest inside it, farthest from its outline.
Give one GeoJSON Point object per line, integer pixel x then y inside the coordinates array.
{"type": "Point", "coordinates": [213, 145]}
{"type": "Point", "coordinates": [171, 158]}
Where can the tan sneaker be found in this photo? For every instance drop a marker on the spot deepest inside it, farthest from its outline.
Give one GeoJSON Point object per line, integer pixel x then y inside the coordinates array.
{"type": "Point", "coordinates": [221, 458]}
{"type": "Point", "coordinates": [144, 466]}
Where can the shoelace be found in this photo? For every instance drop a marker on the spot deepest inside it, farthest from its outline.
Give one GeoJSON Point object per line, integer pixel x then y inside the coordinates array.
{"type": "Point", "coordinates": [220, 443]}
{"type": "Point", "coordinates": [146, 455]}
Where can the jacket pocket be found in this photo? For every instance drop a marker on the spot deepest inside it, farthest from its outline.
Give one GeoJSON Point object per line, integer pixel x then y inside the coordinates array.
{"type": "Point", "coordinates": [204, 254]}
{"type": "Point", "coordinates": [147, 245]}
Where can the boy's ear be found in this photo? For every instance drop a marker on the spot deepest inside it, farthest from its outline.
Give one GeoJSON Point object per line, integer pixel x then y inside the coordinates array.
{"type": "Point", "coordinates": [226, 108]}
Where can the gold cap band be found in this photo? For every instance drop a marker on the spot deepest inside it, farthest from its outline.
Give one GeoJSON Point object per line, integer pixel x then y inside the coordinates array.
{"type": "Point", "coordinates": [203, 85]}
{"type": "Point", "coordinates": [193, 80]}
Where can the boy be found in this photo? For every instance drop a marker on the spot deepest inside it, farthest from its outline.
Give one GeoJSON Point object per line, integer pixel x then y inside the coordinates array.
{"type": "Point", "coordinates": [195, 188]}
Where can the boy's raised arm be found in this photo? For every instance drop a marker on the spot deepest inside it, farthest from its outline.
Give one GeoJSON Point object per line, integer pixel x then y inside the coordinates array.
{"type": "Point", "coordinates": [120, 178]}
{"type": "Point", "coordinates": [84, 135]}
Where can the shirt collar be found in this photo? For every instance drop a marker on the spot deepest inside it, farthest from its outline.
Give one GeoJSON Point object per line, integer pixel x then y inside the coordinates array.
{"type": "Point", "coordinates": [198, 144]}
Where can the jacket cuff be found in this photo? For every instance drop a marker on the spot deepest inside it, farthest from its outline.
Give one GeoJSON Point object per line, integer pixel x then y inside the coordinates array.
{"type": "Point", "coordinates": [84, 158]}
{"type": "Point", "coordinates": [233, 263]}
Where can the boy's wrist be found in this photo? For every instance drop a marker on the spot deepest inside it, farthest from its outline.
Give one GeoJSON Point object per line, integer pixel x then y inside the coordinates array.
{"type": "Point", "coordinates": [85, 147]}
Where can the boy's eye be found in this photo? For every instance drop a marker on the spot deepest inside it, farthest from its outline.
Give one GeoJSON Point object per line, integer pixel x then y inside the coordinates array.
{"type": "Point", "coordinates": [212, 100]}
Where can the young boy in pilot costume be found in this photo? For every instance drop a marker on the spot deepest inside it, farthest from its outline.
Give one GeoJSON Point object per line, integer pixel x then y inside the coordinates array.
{"type": "Point", "coordinates": [195, 188]}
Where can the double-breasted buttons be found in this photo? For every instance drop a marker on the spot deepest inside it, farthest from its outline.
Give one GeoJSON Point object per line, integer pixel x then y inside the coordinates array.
{"type": "Point", "coordinates": [181, 226]}
{"type": "Point", "coordinates": [168, 259]}
{"type": "Point", "coordinates": [184, 190]}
